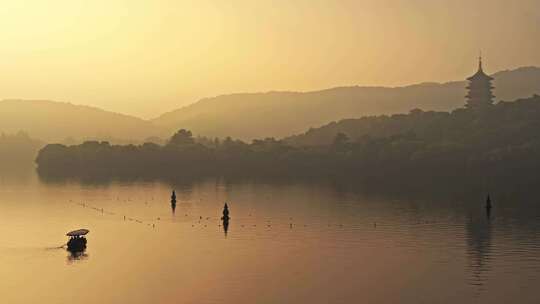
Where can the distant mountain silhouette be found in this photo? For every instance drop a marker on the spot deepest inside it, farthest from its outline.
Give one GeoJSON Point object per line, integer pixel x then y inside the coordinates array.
{"type": "Point", "coordinates": [55, 121]}
{"type": "Point", "coordinates": [250, 115]}
{"type": "Point", "coordinates": [18, 151]}
{"type": "Point", "coordinates": [279, 114]}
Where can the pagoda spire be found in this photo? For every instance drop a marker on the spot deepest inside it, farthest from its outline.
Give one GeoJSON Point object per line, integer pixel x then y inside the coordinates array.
{"type": "Point", "coordinates": [480, 62]}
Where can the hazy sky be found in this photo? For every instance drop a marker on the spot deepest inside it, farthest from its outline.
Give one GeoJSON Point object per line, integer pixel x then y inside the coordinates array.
{"type": "Point", "coordinates": [145, 57]}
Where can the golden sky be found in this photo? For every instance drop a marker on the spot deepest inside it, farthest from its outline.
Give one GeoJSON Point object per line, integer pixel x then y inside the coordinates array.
{"type": "Point", "coordinates": [144, 57]}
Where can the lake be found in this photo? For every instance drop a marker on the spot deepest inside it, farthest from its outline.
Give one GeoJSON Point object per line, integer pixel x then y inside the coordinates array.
{"type": "Point", "coordinates": [287, 242]}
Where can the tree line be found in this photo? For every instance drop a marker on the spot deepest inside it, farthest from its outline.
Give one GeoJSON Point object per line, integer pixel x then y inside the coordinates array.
{"type": "Point", "coordinates": [498, 144]}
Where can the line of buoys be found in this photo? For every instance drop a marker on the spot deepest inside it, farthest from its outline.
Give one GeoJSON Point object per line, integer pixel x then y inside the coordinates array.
{"type": "Point", "coordinates": [226, 217]}
{"type": "Point", "coordinates": [103, 211]}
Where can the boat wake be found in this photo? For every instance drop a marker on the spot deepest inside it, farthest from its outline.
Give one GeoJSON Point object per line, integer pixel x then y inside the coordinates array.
{"type": "Point", "coordinates": [58, 247]}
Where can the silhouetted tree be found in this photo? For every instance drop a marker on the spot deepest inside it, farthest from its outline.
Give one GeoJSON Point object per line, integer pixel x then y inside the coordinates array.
{"type": "Point", "coordinates": [181, 138]}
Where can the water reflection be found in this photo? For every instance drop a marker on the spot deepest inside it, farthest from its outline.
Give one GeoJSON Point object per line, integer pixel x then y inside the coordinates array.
{"type": "Point", "coordinates": [76, 255]}
{"type": "Point", "coordinates": [225, 227]}
{"type": "Point", "coordinates": [488, 207]}
{"type": "Point", "coordinates": [479, 247]}
{"type": "Point", "coordinates": [330, 226]}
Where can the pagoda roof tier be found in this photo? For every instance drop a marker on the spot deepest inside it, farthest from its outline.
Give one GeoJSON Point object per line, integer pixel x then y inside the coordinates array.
{"type": "Point", "coordinates": [480, 88]}
{"type": "Point", "coordinates": [480, 75]}
{"type": "Point", "coordinates": [471, 94]}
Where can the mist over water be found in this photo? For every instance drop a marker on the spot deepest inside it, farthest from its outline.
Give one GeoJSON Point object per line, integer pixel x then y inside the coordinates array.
{"type": "Point", "coordinates": [287, 242]}
{"type": "Point", "coordinates": [269, 152]}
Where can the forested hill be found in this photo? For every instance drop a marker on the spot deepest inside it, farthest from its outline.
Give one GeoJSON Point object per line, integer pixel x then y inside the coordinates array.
{"type": "Point", "coordinates": [503, 125]}
{"type": "Point", "coordinates": [52, 121]}
{"type": "Point", "coordinates": [280, 114]}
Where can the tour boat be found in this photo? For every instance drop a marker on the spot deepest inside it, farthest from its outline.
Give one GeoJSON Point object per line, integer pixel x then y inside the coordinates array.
{"type": "Point", "coordinates": [77, 241]}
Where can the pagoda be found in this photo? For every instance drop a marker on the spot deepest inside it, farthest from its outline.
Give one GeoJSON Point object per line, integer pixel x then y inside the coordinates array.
{"type": "Point", "coordinates": [480, 95]}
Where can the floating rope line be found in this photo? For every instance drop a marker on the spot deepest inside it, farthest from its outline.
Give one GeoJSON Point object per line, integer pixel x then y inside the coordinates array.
{"type": "Point", "coordinates": [268, 224]}
{"type": "Point", "coordinates": [103, 211]}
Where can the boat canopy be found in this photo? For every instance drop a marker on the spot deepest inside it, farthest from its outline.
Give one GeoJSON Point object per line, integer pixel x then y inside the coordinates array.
{"type": "Point", "coordinates": [78, 232]}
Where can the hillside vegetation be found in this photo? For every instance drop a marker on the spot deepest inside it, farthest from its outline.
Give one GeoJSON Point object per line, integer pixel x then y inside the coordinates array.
{"type": "Point", "coordinates": [280, 114]}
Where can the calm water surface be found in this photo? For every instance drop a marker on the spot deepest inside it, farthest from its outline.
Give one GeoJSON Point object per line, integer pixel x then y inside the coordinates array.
{"type": "Point", "coordinates": [287, 243]}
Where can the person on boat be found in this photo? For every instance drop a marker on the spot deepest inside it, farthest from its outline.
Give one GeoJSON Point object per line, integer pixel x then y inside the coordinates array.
{"type": "Point", "coordinates": [77, 241]}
